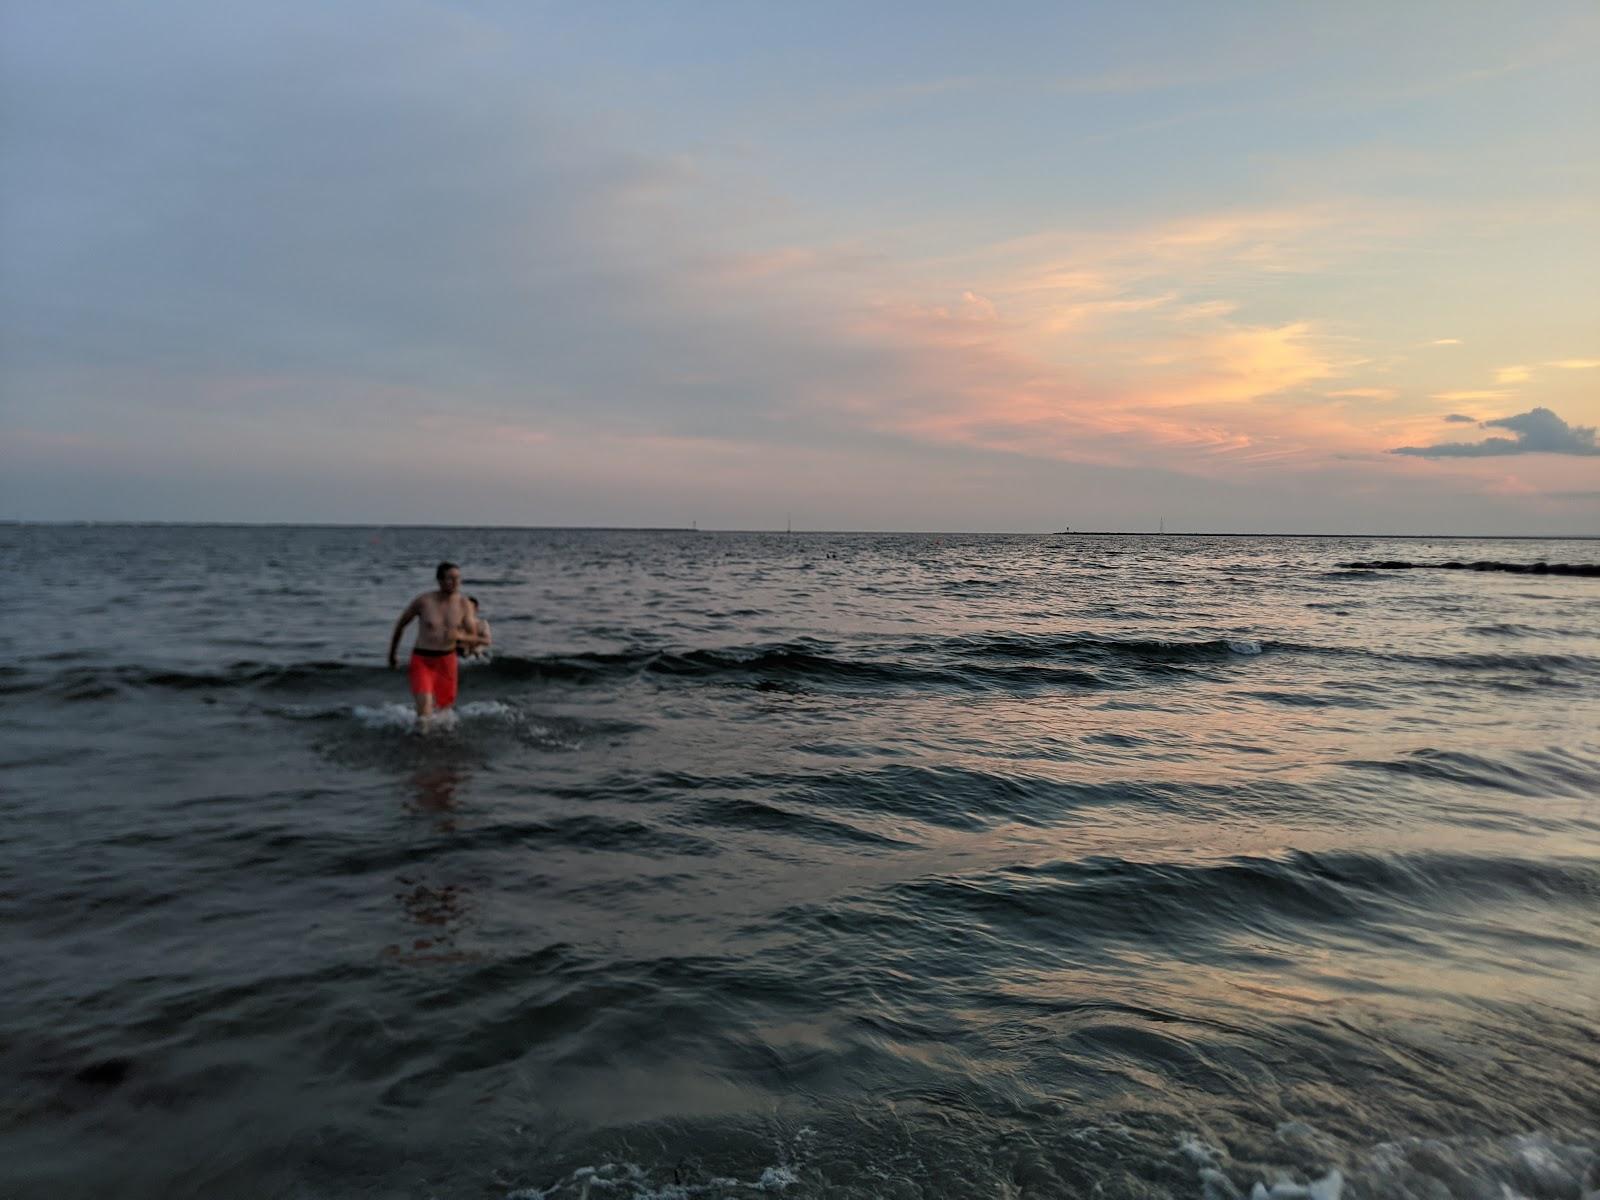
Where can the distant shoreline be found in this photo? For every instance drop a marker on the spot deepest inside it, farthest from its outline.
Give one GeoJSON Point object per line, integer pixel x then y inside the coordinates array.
{"type": "Point", "coordinates": [1415, 537]}
{"type": "Point", "coordinates": [1430, 537]}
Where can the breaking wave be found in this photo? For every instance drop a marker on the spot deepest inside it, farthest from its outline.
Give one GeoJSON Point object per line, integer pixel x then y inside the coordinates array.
{"type": "Point", "coordinates": [999, 661]}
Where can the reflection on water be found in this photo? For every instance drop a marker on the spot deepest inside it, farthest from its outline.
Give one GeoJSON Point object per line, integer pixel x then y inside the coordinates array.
{"type": "Point", "coordinates": [433, 791]}
{"type": "Point", "coordinates": [437, 907]}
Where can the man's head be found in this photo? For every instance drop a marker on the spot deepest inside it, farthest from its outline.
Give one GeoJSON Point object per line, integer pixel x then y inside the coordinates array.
{"type": "Point", "coordinates": [473, 600]}
{"type": "Point", "coordinates": [449, 577]}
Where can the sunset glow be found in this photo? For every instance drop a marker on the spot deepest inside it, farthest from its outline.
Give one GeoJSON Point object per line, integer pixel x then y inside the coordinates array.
{"type": "Point", "coordinates": [481, 263]}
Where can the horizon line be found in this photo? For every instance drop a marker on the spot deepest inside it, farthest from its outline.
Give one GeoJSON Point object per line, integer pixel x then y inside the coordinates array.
{"type": "Point", "coordinates": [90, 521]}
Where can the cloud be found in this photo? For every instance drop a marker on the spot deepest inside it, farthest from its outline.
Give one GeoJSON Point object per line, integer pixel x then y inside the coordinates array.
{"type": "Point", "coordinates": [1243, 363]}
{"type": "Point", "coordinates": [1520, 373]}
{"type": "Point", "coordinates": [1460, 419]}
{"type": "Point", "coordinates": [1539, 431]}
{"type": "Point", "coordinates": [978, 308]}
{"type": "Point", "coordinates": [226, 230]}
{"type": "Point", "coordinates": [1471, 395]}
{"type": "Point", "coordinates": [1445, 342]}
{"type": "Point", "coordinates": [1213, 248]}
{"type": "Point", "coordinates": [409, 210]}
{"type": "Point", "coordinates": [387, 242]}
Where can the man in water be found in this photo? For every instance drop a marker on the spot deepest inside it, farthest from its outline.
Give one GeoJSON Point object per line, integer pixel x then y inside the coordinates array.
{"type": "Point", "coordinates": [446, 620]}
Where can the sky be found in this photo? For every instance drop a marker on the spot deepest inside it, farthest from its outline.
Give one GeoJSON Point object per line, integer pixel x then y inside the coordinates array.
{"type": "Point", "coordinates": [1245, 267]}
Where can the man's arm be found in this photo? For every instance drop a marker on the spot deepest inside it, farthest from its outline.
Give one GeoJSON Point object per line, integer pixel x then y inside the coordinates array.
{"type": "Point", "coordinates": [406, 618]}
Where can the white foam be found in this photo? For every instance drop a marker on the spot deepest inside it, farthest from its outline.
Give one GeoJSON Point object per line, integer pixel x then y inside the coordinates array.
{"type": "Point", "coordinates": [1491, 1168]}
{"type": "Point", "coordinates": [404, 716]}
{"type": "Point", "coordinates": [1530, 1164]}
{"type": "Point", "coordinates": [775, 1179]}
{"type": "Point", "coordinates": [629, 1181]}
{"type": "Point", "coordinates": [385, 716]}
{"type": "Point", "coordinates": [1244, 645]}
{"type": "Point", "coordinates": [1326, 1188]}
{"type": "Point", "coordinates": [479, 710]}
{"type": "Point", "coordinates": [1216, 1185]}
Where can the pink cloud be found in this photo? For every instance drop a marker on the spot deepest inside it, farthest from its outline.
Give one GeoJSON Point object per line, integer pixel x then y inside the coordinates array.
{"type": "Point", "coordinates": [979, 384]}
{"type": "Point", "coordinates": [1113, 346]}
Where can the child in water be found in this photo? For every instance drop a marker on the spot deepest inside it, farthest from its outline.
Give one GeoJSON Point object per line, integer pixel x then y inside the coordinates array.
{"type": "Point", "coordinates": [478, 645]}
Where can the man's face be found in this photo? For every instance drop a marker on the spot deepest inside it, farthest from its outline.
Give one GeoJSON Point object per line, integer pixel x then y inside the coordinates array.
{"type": "Point", "coordinates": [450, 581]}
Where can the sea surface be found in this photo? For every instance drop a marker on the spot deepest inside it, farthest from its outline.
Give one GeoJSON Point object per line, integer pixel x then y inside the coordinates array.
{"type": "Point", "coordinates": [798, 865]}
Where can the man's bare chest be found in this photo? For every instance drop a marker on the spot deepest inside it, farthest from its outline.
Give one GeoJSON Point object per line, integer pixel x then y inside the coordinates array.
{"type": "Point", "coordinates": [439, 616]}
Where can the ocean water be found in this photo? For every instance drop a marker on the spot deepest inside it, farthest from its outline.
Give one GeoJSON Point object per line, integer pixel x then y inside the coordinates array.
{"type": "Point", "coordinates": [810, 865]}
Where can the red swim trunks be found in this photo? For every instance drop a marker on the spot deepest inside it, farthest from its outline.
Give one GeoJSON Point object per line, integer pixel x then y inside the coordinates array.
{"type": "Point", "coordinates": [434, 675]}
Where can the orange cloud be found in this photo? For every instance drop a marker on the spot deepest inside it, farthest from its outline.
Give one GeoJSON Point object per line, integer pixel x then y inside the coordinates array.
{"type": "Point", "coordinates": [1254, 240]}
{"type": "Point", "coordinates": [1243, 364]}
{"type": "Point", "coordinates": [1116, 347]}
{"type": "Point", "coordinates": [1072, 315]}
{"type": "Point", "coordinates": [1096, 347]}
{"type": "Point", "coordinates": [1189, 402]}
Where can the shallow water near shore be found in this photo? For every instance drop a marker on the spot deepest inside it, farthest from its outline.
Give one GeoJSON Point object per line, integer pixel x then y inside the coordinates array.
{"type": "Point", "coordinates": [810, 865]}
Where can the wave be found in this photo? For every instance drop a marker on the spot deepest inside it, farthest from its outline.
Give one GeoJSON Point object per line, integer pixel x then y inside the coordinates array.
{"type": "Point", "coordinates": [1537, 568]}
{"type": "Point", "coordinates": [94, 682]}
{"type": "Point", "coordinates": [1509, 629]}
{"type": "Point", "coordinates": [1545, 664]}
{"type": "Point", "coordinates": [1300, 1162]}
{"type": "Point", "coordinates": [1050, 663]}
{"type": "Point", "coordinates": [898, 802]}
{"type": "Point", "coordinates": [1151, 649]}
{"type": "Point", "coordinates": [1478, 1168]}
{"type": "Point", "coordinates": [1173, 903]}
{"type": "Point", "coordinates": [772, 664]}
{"type": "Point", "coordinates": [1009, 662]}
{"type": "Point", "coordinates": [630, 1181]}
{"type": "Point", "coordinates": [1532, 773]}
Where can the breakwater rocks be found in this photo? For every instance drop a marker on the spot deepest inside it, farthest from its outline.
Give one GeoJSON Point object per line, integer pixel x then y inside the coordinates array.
{"type": "Point", "coordinates": [1538, 568]}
